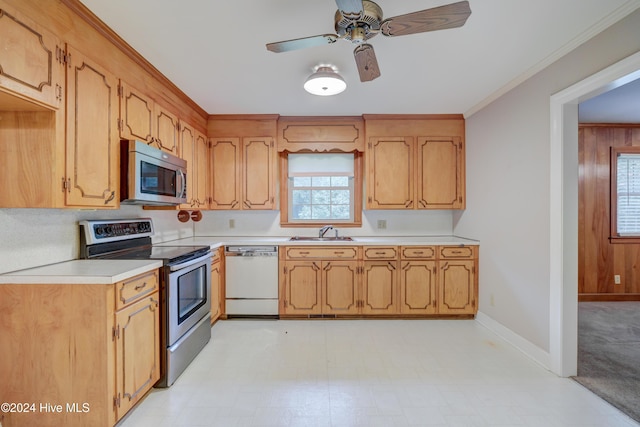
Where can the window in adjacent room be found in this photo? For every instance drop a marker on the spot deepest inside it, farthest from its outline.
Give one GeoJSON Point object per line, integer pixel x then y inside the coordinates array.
{"type": "Point", "coordinates": [625, 193]}
{"type": "Point", "coordinates": [322, 188]}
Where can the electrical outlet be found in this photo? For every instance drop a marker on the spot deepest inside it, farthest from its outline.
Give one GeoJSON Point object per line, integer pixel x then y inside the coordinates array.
{"type": "Point", "coordinates": [382, 224]}
{"type": "Point", "coordinates": [616, 279]}
{"type": "Point", "coordinates": [232, 223]}
{"type": "Point", "coordinates": [491, 301]}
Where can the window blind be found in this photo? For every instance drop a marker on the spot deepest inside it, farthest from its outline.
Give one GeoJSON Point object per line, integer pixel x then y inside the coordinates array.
{"type": "Point", "coordinates": [628, 194]}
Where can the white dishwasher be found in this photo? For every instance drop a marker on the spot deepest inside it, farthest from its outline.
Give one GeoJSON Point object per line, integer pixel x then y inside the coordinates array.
{"type": "Point", "coordinates": [251, 275]}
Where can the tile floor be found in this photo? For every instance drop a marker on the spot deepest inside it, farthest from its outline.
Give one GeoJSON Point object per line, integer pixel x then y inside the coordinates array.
{"type": "Point", "coordinates": [367, 373]}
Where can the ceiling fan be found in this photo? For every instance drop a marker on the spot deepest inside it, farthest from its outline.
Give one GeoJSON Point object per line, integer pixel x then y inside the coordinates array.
{"type": "Point", "coordinates": [359, 20]}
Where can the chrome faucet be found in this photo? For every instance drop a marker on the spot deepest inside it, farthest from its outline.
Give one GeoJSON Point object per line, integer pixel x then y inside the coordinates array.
{"type": "Point", "coordinates": [323, 230]}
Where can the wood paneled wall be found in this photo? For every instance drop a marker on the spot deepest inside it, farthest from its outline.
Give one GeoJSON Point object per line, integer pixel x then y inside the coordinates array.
{"type": "Point", "coordinates": [598, 259]}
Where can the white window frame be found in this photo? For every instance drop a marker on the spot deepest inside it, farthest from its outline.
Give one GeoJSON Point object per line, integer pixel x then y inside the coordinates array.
{"type": "Point", "coordinates": [286, 199]}
{"type": "Point", "coordinates": [620, 197]}
{"type": "Point", "coordinates": [349, 187]}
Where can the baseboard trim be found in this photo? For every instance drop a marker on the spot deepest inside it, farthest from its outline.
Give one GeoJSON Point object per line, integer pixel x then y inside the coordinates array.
{"type": "Point", "coordinates": [529, 349]}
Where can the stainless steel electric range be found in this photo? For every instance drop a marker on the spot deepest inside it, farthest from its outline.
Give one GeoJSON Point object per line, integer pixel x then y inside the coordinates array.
{"type": "Point", "coordinates": [185, 286]}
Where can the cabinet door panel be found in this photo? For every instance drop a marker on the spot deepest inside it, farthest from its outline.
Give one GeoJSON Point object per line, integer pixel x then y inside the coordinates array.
{"type": "Point", "coordinates": [302, 292]}
{"type": "Point", "coordinates": [418, 288]}
{"type": "Point", "coordinates": [258, 180]}
{"type": "Point", "coordinates": [92, 134]}
{"type": "Point", "coordinates": [166, 130]}
{"type": "Point", "coordinates": [390, 183]}
{"type": "Point", "coordinates": [339, 287]}
{"type": "Point", "coordinates": [225, 173]}
{"type": "Point", "coordinates": [457, 287]}
{"type": "Point", "coordinates": [136, 114]}
{"type": "Point", "coordinates": [217, 284]}
{"type": "Point", "coordinates": [379, 293]}
{"type": "Point", "coordinates": [440, 177]}
{"type": "Point", "coordinates": [137, 351]}
{"type": "Point", "coordinates": [30, 62]}
{"type": "Point", "coordinates": [201, 161]}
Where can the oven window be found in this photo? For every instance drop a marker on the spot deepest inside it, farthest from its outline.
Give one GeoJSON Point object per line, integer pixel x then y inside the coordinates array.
{"type": "Point", "coordinates": [192, 292]}
{"type": "Point", "coordinates": [157, 180]}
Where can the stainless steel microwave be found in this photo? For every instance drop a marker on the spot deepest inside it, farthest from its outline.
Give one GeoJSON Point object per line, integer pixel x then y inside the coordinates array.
{"type": "Point", "coordinates": [150, 176]}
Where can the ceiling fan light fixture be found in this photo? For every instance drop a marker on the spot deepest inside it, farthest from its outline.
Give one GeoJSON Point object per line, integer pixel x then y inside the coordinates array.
{"type": "Point", "coordinates": [325, 81]}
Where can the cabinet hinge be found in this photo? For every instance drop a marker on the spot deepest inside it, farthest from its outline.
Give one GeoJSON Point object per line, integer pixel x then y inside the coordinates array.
{"type": "Point", "coordinates": [120, 91]}
{"type": "Point", "coordinates": [286, 304]}
{"type": "Point", "coordinates": [116, 333]}
{"type": "Point", "coordinates": [120, 125]}
{"type": "Point", "coordinates": [66, 185]}
{"type": "Point", "coordinates": [284, 269]}
{"type": "Point", "coordinates": [116, 401]}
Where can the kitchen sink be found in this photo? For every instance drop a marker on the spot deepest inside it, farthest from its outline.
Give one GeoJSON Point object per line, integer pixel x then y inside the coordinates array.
{"type": "Point", "coordinates": [321, 239]}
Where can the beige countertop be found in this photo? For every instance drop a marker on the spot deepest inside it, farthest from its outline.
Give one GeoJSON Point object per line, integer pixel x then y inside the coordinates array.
{"type": "Point", "coordinates": [217, 241]}
{"type": "Point", "coordinates": [82, 271]}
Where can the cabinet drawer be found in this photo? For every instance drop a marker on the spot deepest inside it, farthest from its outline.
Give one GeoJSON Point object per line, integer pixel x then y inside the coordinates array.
{"type": "Point", "coordinates": [418, 252]}
{"type": "Point", "coordinates": [131, 290]}
{"type": "Point", "coordinates": [457, 252]}
{"type": "Point", "coordinates": [314, 252]}
{"type": "Point", "coordinates": [388, 252]}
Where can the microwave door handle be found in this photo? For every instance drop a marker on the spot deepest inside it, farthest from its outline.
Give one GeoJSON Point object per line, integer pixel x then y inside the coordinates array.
{"type": "Point", "coordinates": [183, 186]}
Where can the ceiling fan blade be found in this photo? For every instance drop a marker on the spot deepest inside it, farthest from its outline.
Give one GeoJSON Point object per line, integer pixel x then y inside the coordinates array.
{"type": "Point", "coordinates": [287, 45]}
{"type": "Point", "coordinates": [438, 18]}
{"type": "Point", "coordinates": [350, 8]}
{"type": "Point", "coordinates": [366, 62]}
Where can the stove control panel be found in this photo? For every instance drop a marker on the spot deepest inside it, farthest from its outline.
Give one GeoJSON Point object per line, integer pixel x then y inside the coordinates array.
{"type": "Point", "coordinates": [102, 231]}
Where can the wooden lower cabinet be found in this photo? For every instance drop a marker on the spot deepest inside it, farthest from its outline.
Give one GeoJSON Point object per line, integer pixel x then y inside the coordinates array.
{"type": "Point", "coordinates": [385, 281]}
{"type": "Point", "coordinates": [418, 287]}
{"type": "Point", "coordinates": [319, 280]}
{"type": "Point", "coordinates": [340, 288]}
{"type": "Point", "coordinates": [137, 352]}
{"type": "Point", "coordinates": [217, 285]}
{"type": "Point", "coordinates": [78, 346]}
{"type": "Point", "coordinates": [301, 291]}
{"type": "Point", "coordinates": [379, 287]}
{"type": "Point", "coordinates": [457, 282]}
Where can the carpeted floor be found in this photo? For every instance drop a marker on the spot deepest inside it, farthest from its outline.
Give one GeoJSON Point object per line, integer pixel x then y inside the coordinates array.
{"type": "Point", "coordinates": [609, 353]}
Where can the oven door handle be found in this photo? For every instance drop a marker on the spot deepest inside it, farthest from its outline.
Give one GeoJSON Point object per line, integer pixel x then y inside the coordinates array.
{"type": "Point", "coordinates": [186, 264]}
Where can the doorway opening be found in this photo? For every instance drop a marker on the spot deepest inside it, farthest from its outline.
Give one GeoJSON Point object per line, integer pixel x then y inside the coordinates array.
{"type": "Point", "coordinates": [563, 346]}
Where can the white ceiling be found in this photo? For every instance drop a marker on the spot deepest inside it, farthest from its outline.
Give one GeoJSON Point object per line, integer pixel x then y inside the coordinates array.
{"type": "Point", "coordinates": [214, 51]}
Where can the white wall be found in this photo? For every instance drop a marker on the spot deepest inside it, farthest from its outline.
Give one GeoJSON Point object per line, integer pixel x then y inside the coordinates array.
{"type": "Point", "coordinates": [33, 237]}
{"type": "Point", "coordinates": [267, 223]}
{"type": "Point", "coordinates": [508, 186]}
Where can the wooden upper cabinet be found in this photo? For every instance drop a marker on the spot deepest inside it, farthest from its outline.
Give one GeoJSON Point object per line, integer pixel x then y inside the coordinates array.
{"type": "Point", "coordinates": [31, 63]}
{"type": "Point", "coordinates": [415, 162]}
{"type": "Point", "coordinates": [440, 173]}
{"type": "Point", "coordinates": [136, 114]}
{"type": "Point", "coordinates": [167, 129]}
{"type": "Point", "coordinates": [143, 119]}
{"type": "Point", "coordinates": [390, 165]}
{"type": "Point", "coordinates": [243, 162]}
{"type": "Point", "coordinates": [225, 173]}
{"type": "Point", "coordinates": [243, 173]}
{"type": "Point", "coordinates": [258, 173]}
{"type": "Point", "coordinates": [92, 134]}
{"type": "Point", "coordinates": [201, 163]}
{"type": "Point", "coordinates": [195, 150]}
{"type": "Point", "coordinates": [323, 134]}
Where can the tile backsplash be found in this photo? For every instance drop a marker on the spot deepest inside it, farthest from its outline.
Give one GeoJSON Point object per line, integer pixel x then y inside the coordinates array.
{"type": "Point", "coordinates": [33, 237]}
